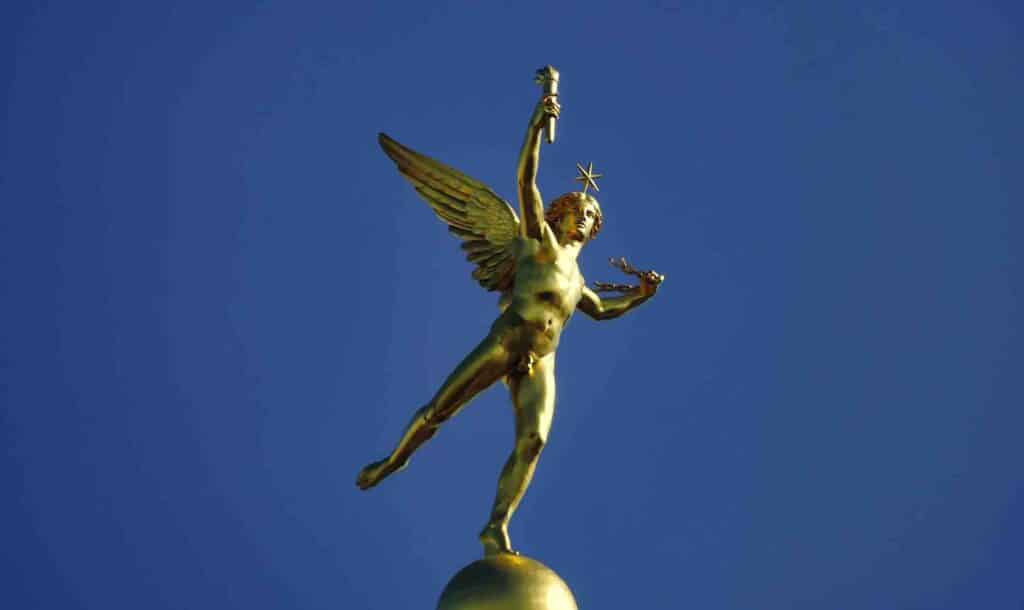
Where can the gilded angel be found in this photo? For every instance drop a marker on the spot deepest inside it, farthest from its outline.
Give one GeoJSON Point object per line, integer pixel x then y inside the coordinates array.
{"type": "Point", "coordinates": [532, 263]}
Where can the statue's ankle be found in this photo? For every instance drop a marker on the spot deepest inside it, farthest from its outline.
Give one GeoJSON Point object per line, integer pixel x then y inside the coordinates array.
{"type": "Point", "coordinates": [495, 539]}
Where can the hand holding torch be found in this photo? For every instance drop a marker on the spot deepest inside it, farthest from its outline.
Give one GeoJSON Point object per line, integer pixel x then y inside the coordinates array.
{"type": "Point", "coordinates": [547, 77]}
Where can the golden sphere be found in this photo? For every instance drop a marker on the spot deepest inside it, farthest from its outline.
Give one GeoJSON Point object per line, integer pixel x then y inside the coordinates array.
{"type": "Point", "coordinates": [506, 582]}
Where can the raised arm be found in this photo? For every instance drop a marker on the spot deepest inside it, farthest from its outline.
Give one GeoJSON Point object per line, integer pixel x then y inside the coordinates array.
{"type": "Point", "coordinates": [531, 205]}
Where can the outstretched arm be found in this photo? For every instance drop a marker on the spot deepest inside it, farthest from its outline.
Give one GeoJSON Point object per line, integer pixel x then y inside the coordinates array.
{"type": "Point", "coordinates": [606, 309]}
{"type": "Point", "coordinates": [531, 205]}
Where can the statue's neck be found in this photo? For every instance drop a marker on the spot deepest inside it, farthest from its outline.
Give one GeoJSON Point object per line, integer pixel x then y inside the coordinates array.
{"type": "Point", "coordinates": [571, 246]}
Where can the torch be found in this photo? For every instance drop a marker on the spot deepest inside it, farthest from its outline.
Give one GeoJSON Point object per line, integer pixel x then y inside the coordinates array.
{"type": "Point", "coordinates": [547, 77]}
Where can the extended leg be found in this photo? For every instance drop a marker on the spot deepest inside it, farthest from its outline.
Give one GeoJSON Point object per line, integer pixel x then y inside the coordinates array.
{"type": "Point", "coordinates": [534, 399]}
{"type": "Point", "coordinates": [481, 368]}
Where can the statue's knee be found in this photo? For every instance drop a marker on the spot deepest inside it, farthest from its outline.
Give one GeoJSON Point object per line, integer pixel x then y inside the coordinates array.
{"type": "Point", "coordinates": [530, 446]}
{"type": "Point", "coordinates": [429, 416]}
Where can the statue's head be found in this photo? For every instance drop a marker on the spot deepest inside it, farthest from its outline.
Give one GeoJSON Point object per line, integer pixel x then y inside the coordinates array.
{"type": "Point", "coordinates": [576, 215]}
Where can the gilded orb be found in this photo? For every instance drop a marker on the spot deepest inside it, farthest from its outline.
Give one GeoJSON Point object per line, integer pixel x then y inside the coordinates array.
{"type": "Point", "coordinates": [506, 582]}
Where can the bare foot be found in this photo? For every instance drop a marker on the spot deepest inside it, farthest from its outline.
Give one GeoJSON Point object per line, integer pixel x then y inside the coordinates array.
{"type": "Point", "coordinates": [375, 472]}
{"type": "Point", "coordinates": [495, 539]}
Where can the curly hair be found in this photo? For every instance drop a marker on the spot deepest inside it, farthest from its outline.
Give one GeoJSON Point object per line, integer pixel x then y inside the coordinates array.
{"type": "Point", "coordinates": [568, 201]}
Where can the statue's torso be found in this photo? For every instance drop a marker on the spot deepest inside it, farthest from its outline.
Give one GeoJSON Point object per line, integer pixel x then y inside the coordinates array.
{"type": "Point", "coordinates": [548, 286]}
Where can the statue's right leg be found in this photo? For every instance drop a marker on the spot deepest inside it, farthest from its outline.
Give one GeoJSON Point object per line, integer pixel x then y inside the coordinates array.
{"type": "Point", "coordinates": [533, 394]}
{"type": "Point", "coordinates": [487, 363]}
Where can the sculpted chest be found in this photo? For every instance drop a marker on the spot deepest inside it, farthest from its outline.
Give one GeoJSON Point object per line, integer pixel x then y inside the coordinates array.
{"type": "Point", "coordinates": [550, 263]}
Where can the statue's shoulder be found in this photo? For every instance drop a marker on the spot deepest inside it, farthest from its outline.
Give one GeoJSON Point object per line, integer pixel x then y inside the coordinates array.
{"type": "Point", "coordinates": [526, 245]}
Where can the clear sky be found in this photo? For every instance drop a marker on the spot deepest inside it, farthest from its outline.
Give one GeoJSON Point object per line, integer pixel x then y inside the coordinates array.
{"type": "Point", "coordinates": [220, 300]}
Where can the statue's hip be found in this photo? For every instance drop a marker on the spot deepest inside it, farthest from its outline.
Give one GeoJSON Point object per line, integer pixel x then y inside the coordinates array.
{"type": "Point", "coordinates": [522, 336]}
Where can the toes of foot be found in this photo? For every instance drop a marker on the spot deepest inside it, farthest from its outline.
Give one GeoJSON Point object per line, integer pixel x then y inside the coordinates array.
{"type": "Point", "coordinates": [368, 476]}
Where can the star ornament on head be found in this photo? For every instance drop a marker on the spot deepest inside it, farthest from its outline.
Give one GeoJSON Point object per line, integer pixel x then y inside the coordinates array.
{"type": "Point", "coordinates": [587, 176]}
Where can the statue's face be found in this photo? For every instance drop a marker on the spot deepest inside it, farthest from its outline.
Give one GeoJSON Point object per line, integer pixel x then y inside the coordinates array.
{"type": "Point", "coordinates": [578, 222]}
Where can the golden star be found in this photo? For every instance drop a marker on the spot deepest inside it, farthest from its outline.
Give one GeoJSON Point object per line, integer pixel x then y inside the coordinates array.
{"type": "Point", "coordinates": [587, 177]}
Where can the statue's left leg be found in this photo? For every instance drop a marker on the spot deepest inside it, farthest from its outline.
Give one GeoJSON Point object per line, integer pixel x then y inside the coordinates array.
{"type": "Point", "coordinates": [533, 395]}
{"type": "Point", "coordinates": [486, 364]}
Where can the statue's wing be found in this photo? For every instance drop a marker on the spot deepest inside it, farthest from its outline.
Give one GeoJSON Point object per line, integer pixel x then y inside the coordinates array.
{"type": "Point", "coordinates": [484, 221]}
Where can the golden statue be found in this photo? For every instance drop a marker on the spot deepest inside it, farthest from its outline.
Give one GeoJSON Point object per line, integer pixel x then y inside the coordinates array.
{"type": "Point", "coordinates": [532, 264]}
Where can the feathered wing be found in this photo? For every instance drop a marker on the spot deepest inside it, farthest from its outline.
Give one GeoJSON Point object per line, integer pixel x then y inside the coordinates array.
{"type": "Point", "coordinates": [486, 223]}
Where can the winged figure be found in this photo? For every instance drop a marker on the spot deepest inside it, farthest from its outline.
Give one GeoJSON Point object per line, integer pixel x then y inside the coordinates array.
{"type": "Point", "coordinates": [531, 262]}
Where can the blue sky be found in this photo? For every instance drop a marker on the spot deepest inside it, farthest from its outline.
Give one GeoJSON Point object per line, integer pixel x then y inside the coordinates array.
{"type": "Point", "coordinates": [221, 300]}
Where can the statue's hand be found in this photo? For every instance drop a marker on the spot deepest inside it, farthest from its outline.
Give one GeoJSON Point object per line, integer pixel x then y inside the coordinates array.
{"type": "Point", "coordinates": [547, 107]}
{"type": "Point", "coordinates": [650, 281]}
